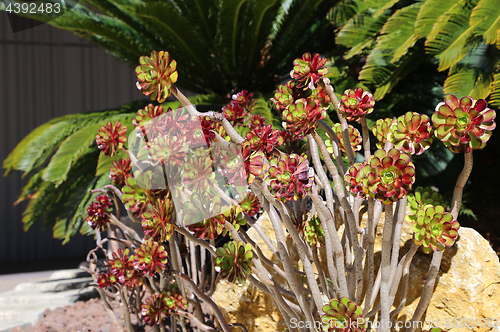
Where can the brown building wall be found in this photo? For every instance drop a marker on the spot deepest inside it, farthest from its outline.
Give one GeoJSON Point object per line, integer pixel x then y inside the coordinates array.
{"type": "Point", "coordinates": [46, 73]}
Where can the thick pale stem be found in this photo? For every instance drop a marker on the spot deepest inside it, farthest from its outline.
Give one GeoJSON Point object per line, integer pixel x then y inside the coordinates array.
{"type": "Point", "coordinates": [320, 172]}
{"type": "Point", "coordinates": [401, 213]}
{"type": "Point", "coordinates": [335, 144]}
{"type": "Point", "coordinates": [366, 138]}
{"type": "Point", "coordinates": [370, 237]}
{"type": "Point", "coordinates": [386, 270]}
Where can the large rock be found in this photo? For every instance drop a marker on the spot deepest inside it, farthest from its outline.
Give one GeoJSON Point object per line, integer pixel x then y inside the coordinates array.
{"type": "Point", "coordinates": [468, 286]}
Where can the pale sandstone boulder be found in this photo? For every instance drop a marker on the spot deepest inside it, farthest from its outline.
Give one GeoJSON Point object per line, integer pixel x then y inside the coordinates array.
{"type": "Point", "coordinates": [468, 286]}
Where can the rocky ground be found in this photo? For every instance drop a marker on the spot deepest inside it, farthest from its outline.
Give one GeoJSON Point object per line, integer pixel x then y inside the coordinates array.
{"type": "Point", "coordinates": [89, 316]}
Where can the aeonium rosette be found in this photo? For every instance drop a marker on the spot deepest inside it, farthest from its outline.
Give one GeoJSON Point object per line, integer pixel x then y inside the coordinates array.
{"type": "Point", "coordinates": [289, 177]}
{"type": "Point", "coordinates": [111, 138]}
{"type": "Point", "coordinates": [343, 315]}
{"type": "Point", "coordinates": [234, 261]}
{"type": "Point", "coordinates": [383, 130]}
{"type": "Point", "coordinates": [354, 180]}
{"type": "Point", "coordinates": [205, 213]}
{"type": "Point", "coordinates": [149, 123]}
{"type": "Point", "coordinates": [157, 220]}
{"type": "Point", "coordinates": [354, 138]}
{"type": "Point", "coordinates": [355, 104]}
{"type": "Point", "coordinates": [463, 124]}
{"type": "Point", "coordinates": [412, 133]}
{"type": "Point", "coordinates": [308, 70]}
{"type": "Point", "coordinates": [388, 175]}
{"type": "Point", "coordinates": [156, 75]}
{"type": "Point", "coordinates": [120, 171]}
{"type": "Point", "coordinates": [424, 196]}
{"type": "Point", "coordinates": [301, 117]}
{"type": "Point", "coordinates": [97, 213]}
{"type": "Point", "coordinates": [150, 257]}
{"type": "Point", "coordinates": [265, 139]}
{"type": "Point", "coordinates": [434, 228]}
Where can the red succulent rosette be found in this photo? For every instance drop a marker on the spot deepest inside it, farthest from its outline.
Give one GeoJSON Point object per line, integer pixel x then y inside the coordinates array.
{"type": "Point", "coordinates": [265, 139]}
{"type": "Point", "coordinates": [356, 103]}
{"type": "Point", "coordinates": [463, 124]}
{"type": "Point", "coordinates": [111, 138]}
{"type": "Point", "coordinates": [137, 192]}
{"type": "Point", "coordinates": [388, 175]}
{"type": "Point", "coordinates": [207, 211]}
{"type": "Point", "coordinates": [198, 172]}
{"type": "Point", "coordinates": [155, 310]}
{"type": "Point", "coordinates": [234, 113]}
{"type": "Point", "coordinates": [383, 130]}
{"type": "Point", "coordinates": [121, 265]}
{"type": "Point", "coordinates": [156, 74]}
{"type": "Point", "coordinates": [243, 99]}
{"type": "Point", "coordinates": [177, 122]}
{"type": "Point", "coordinates": [210, 128]}
{"type": "Point", "coordinates": [254, 162]}
{"type": "Point", "coordinates": [170, 151]}
{"type": "Point", "coordinates": [412, 133]}
{"type": "Point", "coordinates": [301, 117]}
{"type": "Point", "coordinates": [308, 70]}
{"type": "Point", "coordinates": [286, 95]}
{"type": "Point", "coordinates": [106, 279]}
{"type": "Point", "coordinates": [254, 121]}
{"type": "Point", "coordinates": [120, 171]}
{"type": "Point", "coordinates": [97, 216]}
{"type": "Point", "coordinates": [150, 257]}
{"type": "Point", "coordinates": [434, 228]}
{"type": "Point", "coordinates": [232, 165]}
{"type": "Point", "coordinates": [289, 177]}
{"type": "Point", "coordinates": [157, 220]}
{"type": "Point", "coordinates": [148, 122]}
{"type": "Point", "coordinates": [354, 180]}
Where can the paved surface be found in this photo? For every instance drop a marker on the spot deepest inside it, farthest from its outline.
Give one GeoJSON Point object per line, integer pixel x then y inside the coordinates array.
{"type": "Point", "coordinates": [25, 296]}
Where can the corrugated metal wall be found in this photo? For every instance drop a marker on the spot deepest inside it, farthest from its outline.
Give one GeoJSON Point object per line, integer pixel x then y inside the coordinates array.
{"type": "Point", "coordinates": [46, 73]}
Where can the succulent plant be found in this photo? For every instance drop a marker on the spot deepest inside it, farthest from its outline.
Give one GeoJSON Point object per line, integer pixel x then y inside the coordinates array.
{"type": "Point", "coordinates": [149, 123]}
{"type": "Point", "coordinates": [157, 220]}
{"type": "Point", "coordinates": [210, 128]}
{"type": "Point", "coordinates": [234, 113]}
{"type": "Point", "coordinates": [254, 162]}
{"type": "Point", "coordinates": [435, 329]}
{"type": "Point", "coordinates": [383, 129]}
{"type": "Point", "coordinates": [424, 196]}
{"type": "Point", "coordinates": [121, 265]}
{"type": "Point", "coordinates": [234, 215]}
{"type": "Point", "coordinates": [354, 137]}
{"type": "Point", "coordinates": [198, 171]}
{"type": "Point", "coordinates": [286, 95]}
{"type": "Point", "coordinates": [356, 103]}
{"type": "Point", "coordinates": [150, 257]}
{"type": "Point", "coordinates": [434, 228]}
{"type": "Point", "coordinates": [173, 298]}
{"type": "Point", "coordinates": [301, 117]}
{"type": "Point", "coordinates": [243, 99]}
{"type": "Point", "coordinates": [308, 70]}
{"type": "Point", "coordinates": [168, 151]}
{"type": "Point", "coordinates": [97, 216]}
{"type": "Point", "coordinates": [388, 175]}
{"type": "Point", "coordinates": [234, 261]}
{"type": "Point", "coordinates": [463, 124]}
{"type": "Point", "coordinates": [343, 316]}
{"type": "Point", "coordinates": [321, 96]}
{"type": "Point", "coordinates": [254, 121]}
{"type": "Point", "coordinates": [137, 193]}
{"type": "Point", "coordinates": [111, 138]}
{"type": "Point", "coordinates": [314, 233]}
{"type": "Point", "coordinates": [250, 204]}
{"type": "Point", "coordinates": [154, 310]}
{"type": "Point", "coordinates": [412, 133]}
{"type": "Point", "coordinates": [106, 279]}
{"type": "Point", "coordinates": [231, 164]}
{"type": "Point", "coordinates": [265, 139]}
{"type": "Point", "coordinates": [156, 75]}
{"type": "Point", "coordinates": [289, 177]}
{"type": "Point", "coordinates": [354, 180]}
{"type": "Point", "coordinates": [207, 211]}
{"type": "Point", "coordinates": [120, 171]}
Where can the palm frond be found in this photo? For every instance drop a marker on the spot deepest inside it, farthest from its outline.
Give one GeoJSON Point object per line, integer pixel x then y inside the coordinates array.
{"type": "Point", "coordinates": [429, 14]}
{"type": "Point", "coordinates": [485, 19]}
{"type": "Point", "coordinates": [452, 36]}
{"type": "Point", "coordinates": [495, 90]}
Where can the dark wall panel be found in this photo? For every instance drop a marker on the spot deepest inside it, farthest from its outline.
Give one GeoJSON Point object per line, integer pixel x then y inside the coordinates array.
{"type": "Point", "coordinates": [46, 73]}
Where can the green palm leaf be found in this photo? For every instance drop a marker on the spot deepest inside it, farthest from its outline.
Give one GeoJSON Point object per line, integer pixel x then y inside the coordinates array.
{"type": "Point", "coordinates": [452, 36]}
{"type": "Point", "coordinates": [429, 14]}
{"type": "Point", "coordinates": [485, 19]}
{"type": "Point", "coordinates": [495, 90]}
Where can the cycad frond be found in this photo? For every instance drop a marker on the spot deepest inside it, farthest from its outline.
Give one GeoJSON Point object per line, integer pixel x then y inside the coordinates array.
{"type": "Point", "coordinates": [429, 14]}
{"type": "Point", "coordinates": [485, 19]}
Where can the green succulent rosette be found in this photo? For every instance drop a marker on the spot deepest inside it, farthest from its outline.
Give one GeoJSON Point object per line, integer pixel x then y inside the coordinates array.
{"type": "Point", "coordinates": [434, 228]}
{"type": "Point", "coordinates": [150, 257]}
{"type": "Point", "coordinates": [412, 133]}
{"type": "Point", "coordinates": [234, 261]}
{"type": "Point", "coordinates": [313, 232]}
{"type": "Point", "coordinates": [422, 197]}
{"type": "Point", "coordinates": [354, 138]}
{"type": "Point", "coordinates": [343, 316]}
{"type": "Point", "coordinates": [382, 130]}
{"type": "Point", "coordinates": [463, 124]}
{"type": "Point", "coordinates": [301, 117]}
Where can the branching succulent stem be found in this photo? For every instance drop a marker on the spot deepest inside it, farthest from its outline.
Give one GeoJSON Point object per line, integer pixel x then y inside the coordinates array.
{"type": "Point", "coordinates": [385, 265]}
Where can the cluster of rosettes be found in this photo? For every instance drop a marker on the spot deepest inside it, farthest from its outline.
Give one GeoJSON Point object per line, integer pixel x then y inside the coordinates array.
{"type": "Point", "coordinates": [121, 269]}
{"type": "Point", "coordinates": [234, 261]}
{"type": "Point", "coordinates": [160, 306]}
{"type": "Point", "coordinates": [354, 138]}
{"type": "Point", "coordinates": [463, 124]}
{"type": "Point", "coordinates": [97, 216]}
{"type": "Point", "coordinates": [301, 116]}
{"type": "Point", "coordinates": [354, 104]}
{"type": "Point", "coordinates": [434, 228]}
{"type": "Point", "coordinates": [111, 138]}
{"type": "Point", "coordinates": [156, 75]}
{"type": "Point", "coordinates": [386, 176]}
{"type": "Point", "coordinates": [289, 177]}
{"type": "Point", "coordinates": [343, 316]}
{"type": "Point", "coordinates": [308, 70]}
